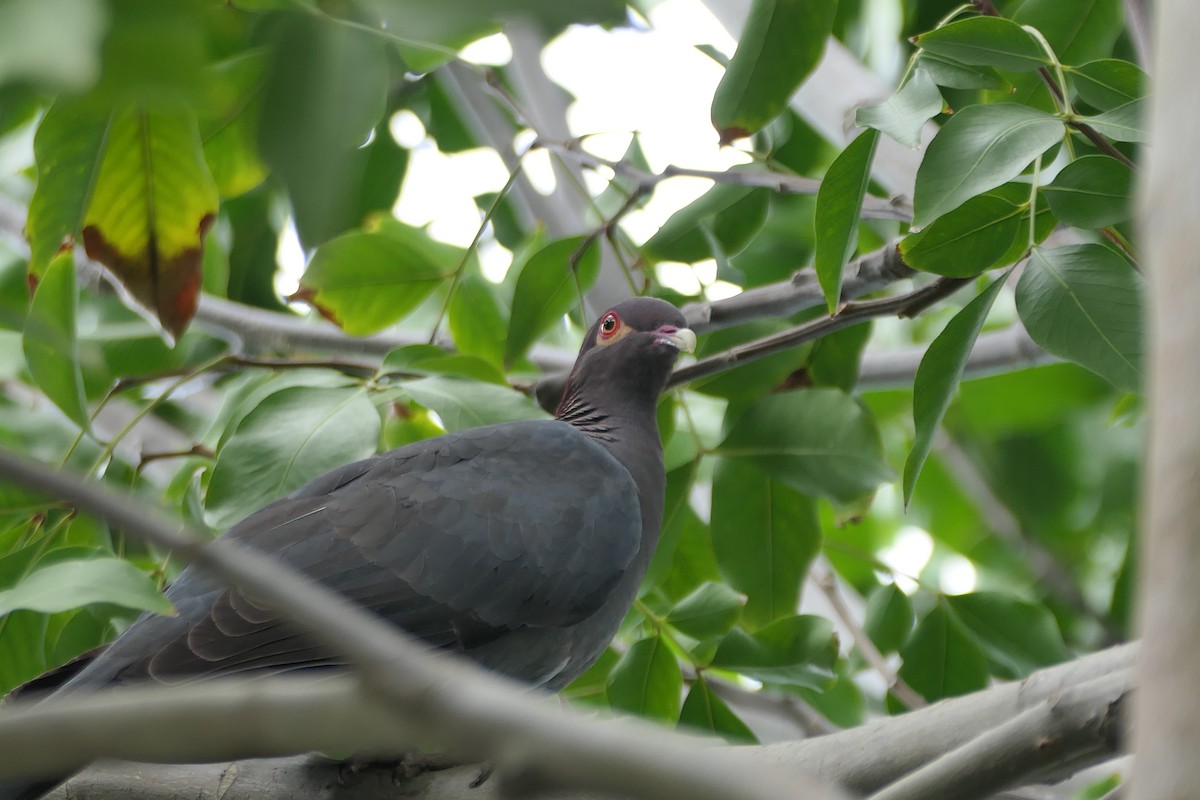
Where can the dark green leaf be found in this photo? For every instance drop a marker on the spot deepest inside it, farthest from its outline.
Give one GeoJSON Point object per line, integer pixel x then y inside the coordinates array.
{"type": "Point", "coordinates": [551, 283]}
{"type": "Point", "coordinates": [765, 535]}
{"type": "Point", "coordinates": [938, 375]}
{"type": "Point", "coordinates": [289, 438]}
{"type": "Point", "coordinates": [1091, 192]}
{"type": "Point", "coordinates": [986, 42]}
{"type": "Point", "coordinates": [781, 43]}
{"type": "Point", "coordinates": [1124, 123]}
{"type": "Point", "coordinates": [904, 114]}
{"type": "Point", "coordinates": [366, 281]}
{"type": "Point", "coordinates": [22, 640]}
{"type": "Point", "coordinates": [68, 146]}
{"type": "Point", "coordinates": [646, 681]}
{"type": "Point", "coordinates": [712, 609]}
{"type": "Point", "coordinates": [980, 148]}
{"type": "Point", "coordinates": [429, 359]}
{"type": "Point", "coordinates": [329, 82]}
{"type": "Point", "coordinates": [70, 584]}
{"type": "Point", "coordinates": [1017, 635]}
{"type": "Point", "coordinates": [794, 651]}
{"type": "Point", "coordinates": [889, 618]}
{"type": "Point", "coordinates": [834, 359]}
{"type": "Point", "coordinates": [49, 342]}
{"type": "Point", "coordinates": [1078, 31]}
{"type": "Point", "coordinates": [463, 404]}
{"type": "Point", "coordinates": [1084, 303]}
{"type": "Point", "coordinates": [1108, 82]}
{"type": "Point", "coordinates": [819, 441]}
{"type": "Point", "coordinates": [839, 201]}
{"type": "Point", "coordinates": [731, 215]}
{"type": "Point", "coordinates": [941, 659]}
{"type": "Point", "coordinates": [966, 241]}
{"type": "Point", "coordinates": [704, 710]}
{"type": "Point", "coordinates": [759, 376]}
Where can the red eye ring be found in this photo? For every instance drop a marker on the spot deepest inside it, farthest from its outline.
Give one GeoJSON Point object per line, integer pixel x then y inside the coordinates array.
{"type": "Point", "coordinates": [609, 325]}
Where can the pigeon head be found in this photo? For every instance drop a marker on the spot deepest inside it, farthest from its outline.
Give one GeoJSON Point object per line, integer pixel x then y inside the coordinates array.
{"type": "Point", "coordinates": [625, 360]}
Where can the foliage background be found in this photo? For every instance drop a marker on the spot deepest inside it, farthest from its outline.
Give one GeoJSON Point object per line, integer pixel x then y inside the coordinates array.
{"type": "Point", "coordinates": [936, 536]}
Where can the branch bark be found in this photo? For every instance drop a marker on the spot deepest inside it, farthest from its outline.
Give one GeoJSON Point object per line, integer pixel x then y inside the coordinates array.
{"type": "Point", "coordinates": [337, 714]}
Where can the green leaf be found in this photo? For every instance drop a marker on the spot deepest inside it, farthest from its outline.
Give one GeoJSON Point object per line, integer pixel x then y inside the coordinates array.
{"type": "Point", "coordinates": [781, 43]}
{"type": "Point", "coordinates": [794, 651]}
{"type": "Point", "coordinates": [1091, 192]}
{"type": "Point", "coordinates": [366, 281]}
{"type": "Point", "coordinates": [70, 584]}
{"type": "Point", "coordinates": [463, 404]}
{"type": "Point", "coordinates": [755, 378]}
{"type": "Point", "coordinates": [980, 148]}
{"type": "Point", "coordinates": [938, 375]}
{"type": "Point", "coordinates": [1084, 303]}
{"type": "Point", "coordinates": [22, 640]}
{"type": "Point", "coordinates": [819, 441]}
{"type": "Point", "coordinates": [904, 114]}
{"type": "Point", "coordinates": [477, 321]}
{"type": "Point", "coordinates": [1018, 636]}
{"type": "Point", "coordinates": [839, 201]}
{"type": "Point", "coordinates": [941, 659]}
{"type": "Point", "coordinates": [703, 710]}
{"type": "Point", "coordinates": [986, 42]}
{"type": "Point", "coordinates": [646, 681]}
{"type": "Point", "coordinates": [1123, 124]}
{"type": "Point", "coordinates": [712, 609]}
{"type": "Point", "coordinates": [966, 241]}
{"type": "Point", "coordinates": [835, 358]}
{"type": "Point", "coordinates": [731, 214]}
{"type": "Point", "coordinates": [68, 146]}
{"type": "Point", "coordinates": [550, 284]}
{"type": "Point", "coordinates": [229, 122]}
{"type": "Point", "coordinates": [1108, 82]}
{"type": "Point", "coordinates": [955, 75]}
{"type": "Point", "coordinates": [429, 359]}
{"type": "Point", "coordinates": [49, 341]}
{"type": "Point", "coordinates": [330, 82]}
{"type": "Point", "coordinates": [289, 438]}
{"type": "Point", "coordinates": [1078, 31]}
{"type": "Point", "coordinates": [152, 203]}
{"type": "Point", "coordinates": [765, 536]}
{"type": "Point", "coordinates": [889, 618]}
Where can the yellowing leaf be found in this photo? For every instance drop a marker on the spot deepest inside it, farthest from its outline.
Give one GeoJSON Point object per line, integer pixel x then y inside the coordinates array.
{"type": "Point", "coordinates": [153, 201]}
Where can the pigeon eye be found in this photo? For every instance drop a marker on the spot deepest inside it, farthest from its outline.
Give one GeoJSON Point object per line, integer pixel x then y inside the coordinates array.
{"type": "Point", "coordinates": [609, 325]}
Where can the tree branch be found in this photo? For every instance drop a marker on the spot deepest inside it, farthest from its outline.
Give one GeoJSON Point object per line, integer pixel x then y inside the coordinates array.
{"type": "Point", "coordinates": [863, 759]}
{"type": "Point", "coordinates": [475, 713]}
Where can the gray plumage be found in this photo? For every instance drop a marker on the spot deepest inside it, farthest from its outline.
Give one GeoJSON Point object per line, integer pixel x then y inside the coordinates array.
{"type": "Point", "coordinates": [519, 545]}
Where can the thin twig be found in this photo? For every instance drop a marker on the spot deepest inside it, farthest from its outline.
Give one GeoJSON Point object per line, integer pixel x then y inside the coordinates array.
{"type": "Point", "coordinates": [827, 584]}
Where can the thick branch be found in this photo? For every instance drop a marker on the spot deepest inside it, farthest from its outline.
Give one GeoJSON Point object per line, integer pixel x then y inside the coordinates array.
{"type": "Point", "coordinates": [863, 759]}
{"type": "Point", "coordinates": [480, 715]}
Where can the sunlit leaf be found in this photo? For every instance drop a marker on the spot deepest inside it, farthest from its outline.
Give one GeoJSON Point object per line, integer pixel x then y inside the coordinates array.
{"type": "Point", "coordinates": [152, 203]}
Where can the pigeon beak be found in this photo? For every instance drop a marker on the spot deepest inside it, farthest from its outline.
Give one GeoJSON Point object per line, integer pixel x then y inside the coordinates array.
{"type": "Point", "coordinates": [680, 338]}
